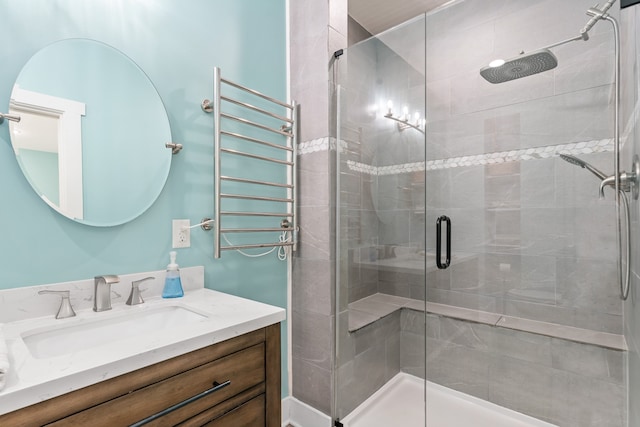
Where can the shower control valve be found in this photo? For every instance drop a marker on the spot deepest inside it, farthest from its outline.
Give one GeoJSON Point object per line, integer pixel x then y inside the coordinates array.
{"type": "Point", "coordinates": [628, 181]}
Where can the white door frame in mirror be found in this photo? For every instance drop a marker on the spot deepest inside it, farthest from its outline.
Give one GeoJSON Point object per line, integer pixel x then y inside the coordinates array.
{"type": "Point", "coordinates": [67, 114]}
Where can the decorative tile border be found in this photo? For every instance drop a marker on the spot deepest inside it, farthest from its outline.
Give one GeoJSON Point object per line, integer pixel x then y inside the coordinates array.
{"type": "Point", "coordinates": [587, 147]}
{"type": "Point", "coordinates": [320, 144]}
{"type": "Point", "coordinates": [403, 168]}
{"type": "Point", "coordinates": [314, 146]}
{"type": "Point", "coordinates": [362, 168]}
{"type": "Point", "coordinates": [574, 148]}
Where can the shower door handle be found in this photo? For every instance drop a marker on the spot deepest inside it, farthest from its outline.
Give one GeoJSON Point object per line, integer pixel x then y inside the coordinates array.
{"type": "Point", "coordinates": [439, 263]}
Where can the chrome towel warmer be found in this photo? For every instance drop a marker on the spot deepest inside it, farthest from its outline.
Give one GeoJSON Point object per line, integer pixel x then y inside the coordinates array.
{"type": "Point", "coordinates": [268, 137]}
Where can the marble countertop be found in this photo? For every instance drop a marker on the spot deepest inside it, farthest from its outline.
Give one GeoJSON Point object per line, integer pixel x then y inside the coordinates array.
{"type": "Point", "coordinates": [31, 380]}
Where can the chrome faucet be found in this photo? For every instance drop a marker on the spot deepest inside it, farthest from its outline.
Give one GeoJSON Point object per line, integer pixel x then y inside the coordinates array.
{"type": "Point", "coordinates": [65, 310]}
{"type": "Point", "coordinates": [135, 297]}
{"type": "Point", "coordinates": [102, 291]}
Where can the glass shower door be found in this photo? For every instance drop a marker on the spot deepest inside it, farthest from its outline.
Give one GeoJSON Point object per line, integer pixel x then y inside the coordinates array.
{"type": "Point", "coordinates": [533, 249]}
{"type": "Point", "coordinates": [380, 216]}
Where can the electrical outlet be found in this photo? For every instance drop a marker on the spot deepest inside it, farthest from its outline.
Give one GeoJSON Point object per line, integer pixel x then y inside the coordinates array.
{"type": "Point", "coordinates": [181, 233]}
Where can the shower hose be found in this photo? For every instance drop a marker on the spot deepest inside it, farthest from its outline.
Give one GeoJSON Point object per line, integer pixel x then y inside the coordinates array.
{"type": "Point", "coordinates": [624, 285]}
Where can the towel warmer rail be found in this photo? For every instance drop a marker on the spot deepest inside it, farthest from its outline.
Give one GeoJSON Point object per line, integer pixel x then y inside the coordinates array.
{"type": "Point", "coordinates": [221, 121]}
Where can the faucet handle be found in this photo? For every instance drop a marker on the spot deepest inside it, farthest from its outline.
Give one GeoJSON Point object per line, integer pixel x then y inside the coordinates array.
{"type": "Point", "coordinates": [65, 310]}
{"type": "Point", "coordinates": [135, 297]}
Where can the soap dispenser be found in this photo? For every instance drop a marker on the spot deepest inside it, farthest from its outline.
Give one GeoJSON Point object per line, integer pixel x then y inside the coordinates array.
{"type": "Point", "coordinates": [172, 283]}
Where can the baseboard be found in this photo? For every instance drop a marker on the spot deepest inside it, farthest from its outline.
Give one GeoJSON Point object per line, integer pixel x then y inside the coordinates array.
{"type": "Point", "coordinates": [299, 414]}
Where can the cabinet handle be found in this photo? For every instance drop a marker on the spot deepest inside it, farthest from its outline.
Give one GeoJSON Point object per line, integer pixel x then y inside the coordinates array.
{"type": "Point", "coordinates": [440, 265]}
{"type": "Point", "coordinates": [216, 387]}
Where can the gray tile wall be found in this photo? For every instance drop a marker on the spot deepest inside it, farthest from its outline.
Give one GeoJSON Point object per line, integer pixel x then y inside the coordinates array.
{"type": "Point", "coordinates": [527, 220]}
{"type": "Point", "coordinates": [357, 32]}
{"type": "Point", "coordinates": [313, 288]}
{"type": "Point", "coordinates": [369, 358]}
{"type": "Point", "coordinates": [565, 383]}
{"type": "Point", "coordinates": [317, 30]}
{"type": "Point", "coordinates": [546, 244]}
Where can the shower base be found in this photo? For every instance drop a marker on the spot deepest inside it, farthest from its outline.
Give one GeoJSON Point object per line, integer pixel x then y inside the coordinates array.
{"type": "Point", "coordinates": [400, 402]}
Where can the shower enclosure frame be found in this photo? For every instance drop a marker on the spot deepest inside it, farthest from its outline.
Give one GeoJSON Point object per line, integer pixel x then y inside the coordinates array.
{"type": "Point", "coordinates": [619, 180]}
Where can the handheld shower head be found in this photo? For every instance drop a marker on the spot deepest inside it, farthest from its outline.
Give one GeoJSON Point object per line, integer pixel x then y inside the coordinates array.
{"type": "Point", "coordinates": [573, 160]}
{"type": "Point", "coordinates": [524, 65]}
{"type": "Point", "coordinates": [578, 162]}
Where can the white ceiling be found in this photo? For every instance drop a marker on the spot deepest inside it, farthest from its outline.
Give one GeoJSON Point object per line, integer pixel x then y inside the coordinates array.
{"type": "Point", "coordinates": [379, 15]}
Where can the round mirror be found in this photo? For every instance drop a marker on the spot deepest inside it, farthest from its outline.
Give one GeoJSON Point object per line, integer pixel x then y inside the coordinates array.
{"type": "Point", "coordinates": [92, 132]}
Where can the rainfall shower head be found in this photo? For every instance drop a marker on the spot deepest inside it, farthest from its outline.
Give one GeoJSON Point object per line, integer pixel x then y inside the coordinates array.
{"type": "Point", "coordinates": [576, 161]}
{"type": "Point", "coordinates": [527, 64]}
{"type": "Point", "coordinates": [524, 65]}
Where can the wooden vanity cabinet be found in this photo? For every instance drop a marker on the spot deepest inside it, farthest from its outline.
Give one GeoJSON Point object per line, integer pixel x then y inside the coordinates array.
{"type": "Point", "coordinates": [249, 363]}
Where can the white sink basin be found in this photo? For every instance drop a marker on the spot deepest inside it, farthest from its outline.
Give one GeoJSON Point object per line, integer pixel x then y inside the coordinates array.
{"type": "Point", "coordinates": [44, 343]}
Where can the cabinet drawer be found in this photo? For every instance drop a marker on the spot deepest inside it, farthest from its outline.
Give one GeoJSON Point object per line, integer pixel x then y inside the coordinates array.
{"type": "Point", "coordinates": [249, 414]}
{"type": "Point", "coordinates": [68, 404]}
{"type": "Point", "coordinates": [243, 369]}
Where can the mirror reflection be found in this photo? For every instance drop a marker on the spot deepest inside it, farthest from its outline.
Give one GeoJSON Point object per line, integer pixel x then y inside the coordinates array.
{"type": "Point", "coordinates": [92, 132]}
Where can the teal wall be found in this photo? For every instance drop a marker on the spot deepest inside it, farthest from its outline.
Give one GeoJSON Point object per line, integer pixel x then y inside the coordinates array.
{"type": "Point", "coordinates": [177, 44]}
